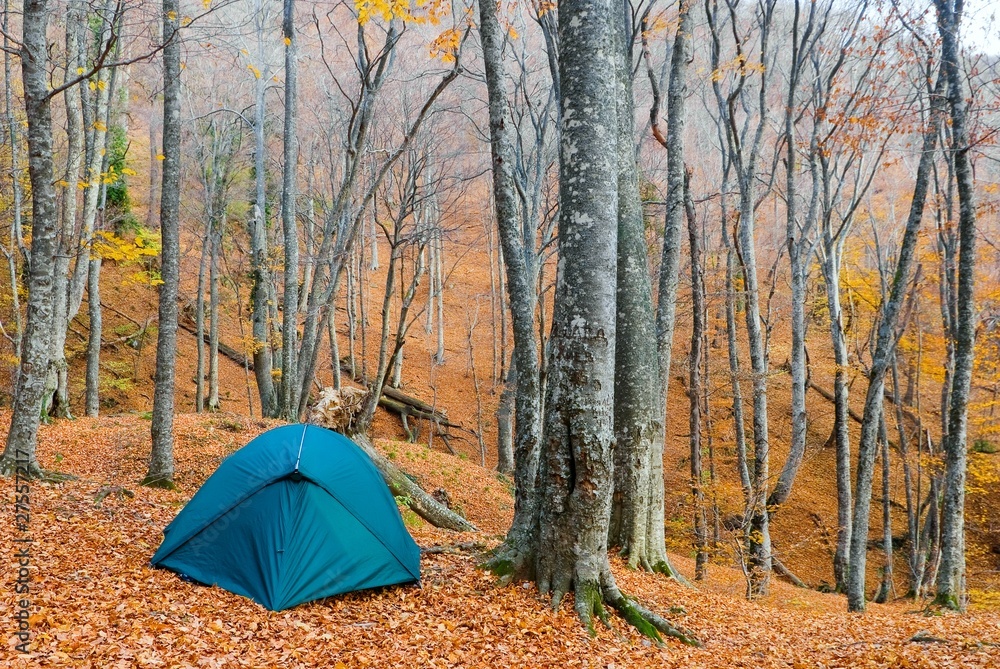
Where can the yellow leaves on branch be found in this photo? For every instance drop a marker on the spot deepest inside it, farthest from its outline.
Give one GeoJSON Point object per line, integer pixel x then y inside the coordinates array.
{"type": "Point", "coordinates": [445, 46]}
{"type": "Point", "coordinates": [110, 246]}
{"type": "Point", "coordinates": [740, 65]}
{"type": "Point", "coordinates": [410, 11]}
{"type": "Point", "coordinates": [256, 72]}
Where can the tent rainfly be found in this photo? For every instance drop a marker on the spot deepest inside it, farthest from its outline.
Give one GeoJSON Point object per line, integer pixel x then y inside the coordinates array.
{"type": "Point", "coordinates": [299, 513]}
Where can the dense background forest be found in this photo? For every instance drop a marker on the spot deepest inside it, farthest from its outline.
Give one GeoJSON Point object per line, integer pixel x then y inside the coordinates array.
{"type": "Point", "coordinates": [712, 284]}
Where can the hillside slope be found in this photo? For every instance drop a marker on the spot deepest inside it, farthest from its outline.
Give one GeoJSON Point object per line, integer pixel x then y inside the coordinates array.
{"type": "Point", "coordinates": [99, 604]}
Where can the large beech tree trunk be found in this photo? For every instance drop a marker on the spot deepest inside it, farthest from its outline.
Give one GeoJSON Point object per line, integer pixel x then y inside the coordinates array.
{"type": "Point", "coordinates": [161, 460]}
{"type": "Point", "coordinates": [637, 509]}
{"type": "Point", "coordinates": [576, 466]}
{"type": "Point", "coordinates": [289, 334]}
{"type": "Point", "coordinates": [518, 547]}
{"type": "Point", "coordinates": [885, 344]}
{"type": "Point", "coordinates": [58, 379]}
{"type": "Point", "coordinates": [36, 347]}
{"type": "Point", "coordinates": [951, 572]}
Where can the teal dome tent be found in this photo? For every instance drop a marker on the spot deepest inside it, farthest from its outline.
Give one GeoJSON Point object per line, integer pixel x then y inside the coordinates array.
{"type": "Point", "coordinates": [299, 513]}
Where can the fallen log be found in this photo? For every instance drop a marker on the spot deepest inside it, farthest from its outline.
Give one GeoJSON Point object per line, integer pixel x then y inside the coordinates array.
{"type": "Point", "coordinates": [227, 351]}
{"type": "Point", "coordinates": [406, 490]}
{"type": "Point", "coordinates": [392, 399]}
{"type": "Point", "coordinates": [781, 570]}
{"type": "Point", "coordinates": [855, 416]}
{"type": "Point", "coordinates": [827, 395]}
{"type": "Point", "coordinates": [466, 546]}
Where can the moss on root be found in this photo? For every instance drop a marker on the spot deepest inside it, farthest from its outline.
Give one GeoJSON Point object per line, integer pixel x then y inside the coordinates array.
{"type": "Point", "coordinates": [158, 482]}
{"type": "Point", "coordinates": [33, 472]}
{"type": "Point", "coordinates": [590, 603]}
{"type": "Point", "coordinates": [665, 568]}
{"type": "Point", "coordinates": [508, 562]}
{"type": "Point", "coordinates": [947, 600]}
{"type": "Point", "coordinates": [652, 625]}
{"type": "Point", "coordinates": [631, 614]}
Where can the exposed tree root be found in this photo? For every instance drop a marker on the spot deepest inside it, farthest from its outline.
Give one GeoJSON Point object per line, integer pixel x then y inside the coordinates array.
{"type": "Point", "coordinates": [663, 566]}
{"type": "Point", "coordinates": [651, 624]}
{"type": "Point", "coordinates": [781, 570]}
{"type": "Point", "coordinates": [32, 471]}
{"type": "Point", "coordinates": [467, 546]}
{"type": "Point", "coordinates": [654, 564]}
{"type": "Point", "coordinates": [511, 560]}
{"type": "Point", "coordinates": [948, 601]}
{"type": "Point", "coordinates": [158, 482]}
{"type": "Point", "coordinates": [117, 490]}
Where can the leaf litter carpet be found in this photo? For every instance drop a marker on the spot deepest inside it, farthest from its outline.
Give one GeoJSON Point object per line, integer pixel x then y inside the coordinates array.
{"type": "Point", "coordinates": [97, 603]}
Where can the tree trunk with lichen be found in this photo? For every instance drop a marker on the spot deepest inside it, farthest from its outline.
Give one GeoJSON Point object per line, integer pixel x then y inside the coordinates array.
{"type": "Point", "coordinates": [637, 503]}
{"type": "Point", "coordinates": [161, 459]}
{"type": "Point", "coordinates": [517, 552]}
{"type": "Point", "coordinates": [576, 463]}
{"type": "Point", "coordinates": [289, 400]}
{"type": "Point", "coordinates": [695, 385]}
{"type": "Point", "coordinates": [885, 343]}
{"type": "Point", "coordinates": [26, 415]}
{"type": "Point", "coordinates": [58, 381]}
{"type": "Point", "coordinates": [950, 586]}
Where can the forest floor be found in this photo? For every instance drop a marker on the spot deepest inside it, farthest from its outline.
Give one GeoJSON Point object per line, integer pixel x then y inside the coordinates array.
{"type": "Point", "coordinates": [98, 603]}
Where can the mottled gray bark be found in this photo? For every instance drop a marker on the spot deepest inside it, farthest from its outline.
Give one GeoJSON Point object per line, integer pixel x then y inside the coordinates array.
{"type": "Point", "coordinates": [199, 318]}
{"type": "Point", "coordinates": [831, 280]}
{"type": "Point", "coordinates": [576, 464]}
{"type": "Point", "coordinates": [289, 332]}
{"type": "Point", "coordinates": [798, 233]}
{"type": "Point", "coordinates": [36, 347]}
{"type": "Point", "coordinates": [96, 108]}
{"type": "Point", "coordinates": [505, 423]}
{"type": "Point", "coordinates": [260, 272]}
{"type": "Point", "coordinates": [759, 536]}
{"type": "Point", "coordinates": [518, 550]}
{"type": "Point", "coordinates": [886, 587]}
{"type": "Point", "coordinates": [13, 134]}
{"type": "Point", "coordinates": [577, 459]}
{"type": "Point", "coordinates": [674, 143]}
{"type": "Point", "coordinates": [93, 401]}
{"type": "Point", "coordinates": [881, 357]}
{"type": "Point", "coordinates": [832, 253]}
{"type": "Point", "coordinates": [637, 503]}
{"type": "Point", "coordinates": [695, 385]}
{"type": "Point", "coordinates": [161, 460]}
{"type": "Point", "coordinates": [213, 321]}
{"type": "Point", "coordinates": [67, 242]}
{"type": "Point", "coordinates": [950, 586]}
